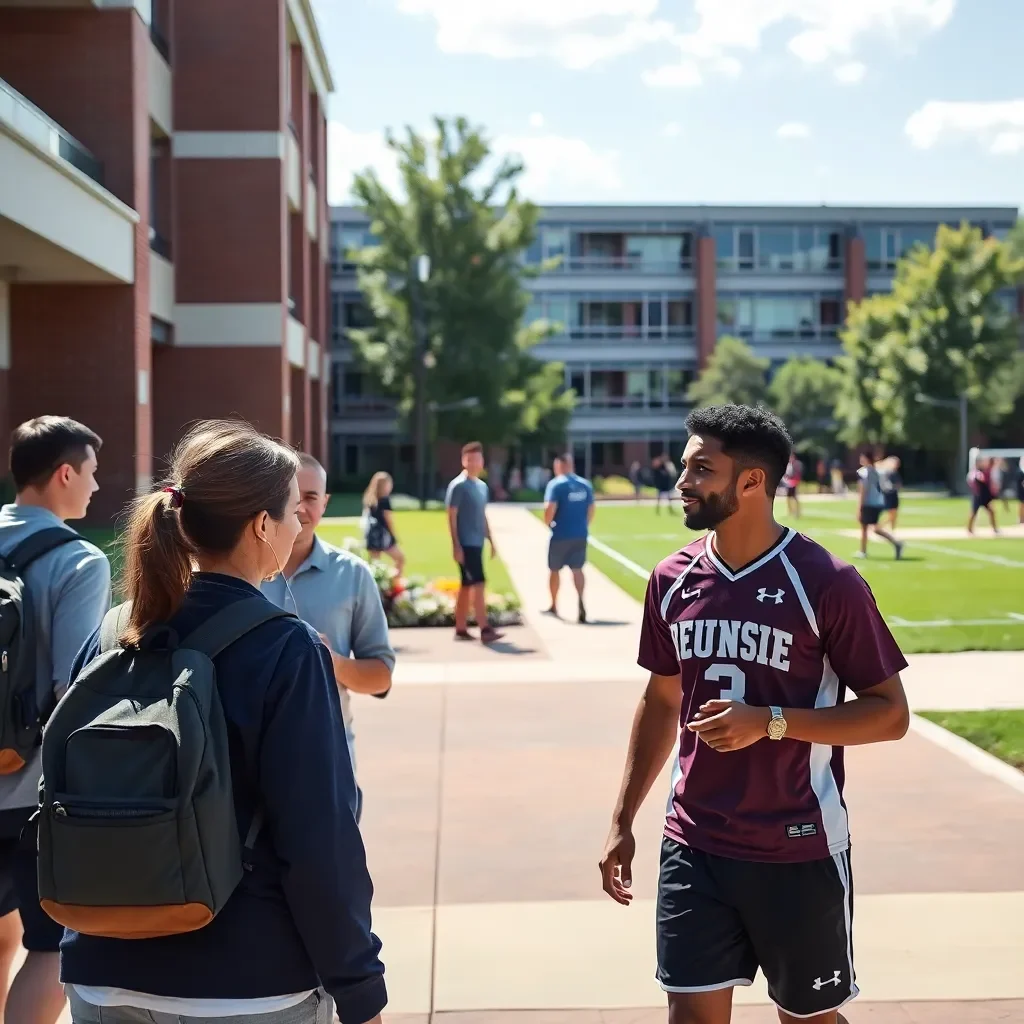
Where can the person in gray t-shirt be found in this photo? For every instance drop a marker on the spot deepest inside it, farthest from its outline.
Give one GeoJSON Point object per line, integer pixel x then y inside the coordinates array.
{"type": "Point", "coordinates": [870, 505]}
{"type": "Point", "coordinates": [466, 502]}
{"type": "Point", "coordinates": [53, 465]}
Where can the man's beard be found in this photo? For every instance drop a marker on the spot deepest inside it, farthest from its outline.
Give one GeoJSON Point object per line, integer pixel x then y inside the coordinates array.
{"type": "Point", "coordinates": [712, 510]}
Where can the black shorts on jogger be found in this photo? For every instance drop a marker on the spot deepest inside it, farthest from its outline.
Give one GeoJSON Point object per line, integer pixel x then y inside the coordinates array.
{"type": "Point", "coordinates": [719, 920]}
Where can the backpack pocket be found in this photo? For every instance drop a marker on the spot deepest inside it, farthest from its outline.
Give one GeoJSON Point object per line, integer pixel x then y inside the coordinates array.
{"type": "Point", "coordinates": [117, 868]}
{"type": "Point", "coordinates": [137, 760]}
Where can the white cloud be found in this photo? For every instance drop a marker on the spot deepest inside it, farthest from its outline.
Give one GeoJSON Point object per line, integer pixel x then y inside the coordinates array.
{"type": "Point", "coordinates": [672, 130]}
{"type": "Point", "coordinates": [562, 169]}
{"type": "Point", "coordinates": [851, 73]}
{"type": "Point", "coordinates": [576, 33]}
{"type": "Point", "coordinates": [793, 130]}
{"type": "Point", "coordinates": [684, 75]}
{"type": "Point", "coordinates": [996, 126]}
{"type": "Point", "coordinates": [536, 120]}
{"type": "Point", "coordinates": [580, 34]}
{"type": "Point", "coordinates": [349, 152]}
{"type": "Point", "coordinates": [557, 168]}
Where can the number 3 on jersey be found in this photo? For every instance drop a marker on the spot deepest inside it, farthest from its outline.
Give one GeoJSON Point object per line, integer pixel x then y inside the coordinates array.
{"type": "Point", "coordinates": [737, 687]}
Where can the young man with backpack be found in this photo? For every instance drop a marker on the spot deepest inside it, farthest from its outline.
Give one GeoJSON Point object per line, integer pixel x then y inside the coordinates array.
{"type": "Point", "coordinates": [55, 588]}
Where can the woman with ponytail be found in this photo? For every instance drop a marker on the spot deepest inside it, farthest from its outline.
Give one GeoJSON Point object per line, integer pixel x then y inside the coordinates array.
{"type": "Point", "coordinates": [299, 922]}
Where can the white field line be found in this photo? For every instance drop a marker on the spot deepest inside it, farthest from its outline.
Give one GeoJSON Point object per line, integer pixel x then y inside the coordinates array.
{"type": "Point", "coordinates": [1011, 618]}
{"type": "Point", "coordinates": [959, 553]}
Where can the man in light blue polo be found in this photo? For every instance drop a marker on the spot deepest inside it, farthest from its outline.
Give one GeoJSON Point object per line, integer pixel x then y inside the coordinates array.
{"type": "Point", "coordinates": [568, 510]}
{"type": "Point", "coordinates": [334, 591]}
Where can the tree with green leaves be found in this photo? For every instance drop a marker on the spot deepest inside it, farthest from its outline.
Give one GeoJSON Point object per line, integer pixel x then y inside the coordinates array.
{"type": "Point", "coordinates": [804, 393]}
{"type": "Point", "coordinates": [474, 227]}
{"type": "Point", "coordinates": [947, 330]}
{"type": "Point", "coordinates": [733, 375]}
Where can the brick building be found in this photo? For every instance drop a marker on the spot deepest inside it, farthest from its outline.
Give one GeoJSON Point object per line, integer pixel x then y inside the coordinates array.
{"type": "Point", "coordinates": [163, 222]}
{"type": "Point", "coordinates": [644, 293]}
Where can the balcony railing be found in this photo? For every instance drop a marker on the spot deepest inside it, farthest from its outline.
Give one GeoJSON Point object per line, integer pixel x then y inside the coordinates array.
{"type": "Point", "coordinates": [630, 335]}
{"type": "Point", "coordinates": [778, 265]}
{"type": "Point", "coordinates": [622, 264]}
{"type": "Point", "coordinates": [27, 119]}
{"type": "Point", "coordinates": [158, 244]}
{"type": "Point", "coordinates": [363, 405]}
{"type": "Point", "coordinates": [829, 334]}
{"type": "Point", "coordinates": [630, 403]}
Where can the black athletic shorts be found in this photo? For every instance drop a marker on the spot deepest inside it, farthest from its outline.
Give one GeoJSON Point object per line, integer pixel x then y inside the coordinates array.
{"type": "Point", "coordinates": [791, 491]}
{"type": "Point", "coordinates": [472, 569]}
{"type": "Point", "coordinates": [869, 515]}
{"type": "Point", "coordinates": [719, 920]}
{"type": "Point", "coordinates": [19, 887]}
{"type": "Point", "coordinates": [567, 554]}
{"type": "Point", "coordinates": [892, 500]}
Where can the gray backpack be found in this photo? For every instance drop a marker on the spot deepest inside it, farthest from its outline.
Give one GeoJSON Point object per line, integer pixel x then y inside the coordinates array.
{"type": "Point", "coordinates": [136, 828]}
{"type": "Point", "coordinates": [21, 718]}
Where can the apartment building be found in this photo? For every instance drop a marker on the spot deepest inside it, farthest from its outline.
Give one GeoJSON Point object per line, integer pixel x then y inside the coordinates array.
{"type": "Point", "coordinates": [643, 293]}
{"type": "Point", "coordinates": [163, 222]}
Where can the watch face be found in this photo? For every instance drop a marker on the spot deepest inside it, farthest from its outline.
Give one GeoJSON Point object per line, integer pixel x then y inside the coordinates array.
{"type": "Point", "coordinates": [777, 728]}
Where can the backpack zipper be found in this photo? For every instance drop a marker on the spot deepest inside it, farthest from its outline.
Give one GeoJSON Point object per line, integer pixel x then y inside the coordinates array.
{"type": "Point", "coordinates": [107, 812]}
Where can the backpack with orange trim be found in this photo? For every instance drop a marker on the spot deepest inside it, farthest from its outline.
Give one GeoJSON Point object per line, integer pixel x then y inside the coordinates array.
{"type": "Point", "coordinates": [137, 832]}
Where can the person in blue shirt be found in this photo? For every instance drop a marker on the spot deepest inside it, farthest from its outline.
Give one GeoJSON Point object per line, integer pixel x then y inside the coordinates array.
{"type": "Point", "coordinates": [569, 511]}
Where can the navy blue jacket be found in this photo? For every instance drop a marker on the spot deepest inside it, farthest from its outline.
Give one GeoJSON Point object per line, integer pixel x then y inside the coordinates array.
{"type": "Point", "coordinates": [301, 916]}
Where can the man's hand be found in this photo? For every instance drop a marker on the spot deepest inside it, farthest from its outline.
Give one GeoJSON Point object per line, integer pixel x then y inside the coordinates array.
{"type": "Point", "coordinates": [617, 865]}
{"type": "Point", "coordinates": [457, 553]}
{"type": "Point", "coordinates": [730, 725]}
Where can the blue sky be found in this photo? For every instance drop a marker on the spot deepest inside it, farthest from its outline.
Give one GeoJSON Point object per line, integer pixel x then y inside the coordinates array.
{"type": "Point", "coordinates": [718, 101]}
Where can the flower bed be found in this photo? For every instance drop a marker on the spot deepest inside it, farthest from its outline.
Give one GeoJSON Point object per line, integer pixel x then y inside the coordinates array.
{"type": "Point", "coordinates": [418, 601]}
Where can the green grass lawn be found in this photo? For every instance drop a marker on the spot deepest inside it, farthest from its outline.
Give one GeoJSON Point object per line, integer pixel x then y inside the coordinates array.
{"type": "Point", "coordinates": [424, 539]}
{"type": "Point", "coordinates": [423, 535]}
{"type": "Point", "coordinates": [946, 595]}
{"type": "Point", "coordinates": [999, 732]}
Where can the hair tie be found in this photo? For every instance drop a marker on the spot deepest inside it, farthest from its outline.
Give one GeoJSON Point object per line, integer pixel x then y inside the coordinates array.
{"type": "Point", "coordinates": [177, 496]}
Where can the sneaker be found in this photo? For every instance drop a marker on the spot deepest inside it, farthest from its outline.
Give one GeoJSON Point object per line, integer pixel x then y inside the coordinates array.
{"type": "Point", "coordinates": [490, 635]}
{"type": "Point", "coordinates": [900, 545]}
{"type": "Point", "coordinates": [464, 634]}
{"type": "Point", "coordinates": [552, 611]}
{"type": "Point", "coordinates": [582, 618]}
{"type": "Point", "coordinates": [860, 554]}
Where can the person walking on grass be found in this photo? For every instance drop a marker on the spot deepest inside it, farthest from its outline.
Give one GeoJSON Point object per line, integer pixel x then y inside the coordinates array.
{"type": "Point", "coordinates": [662, 473]}
{"type": "Point", "coordinates": [466, 502]}
{"type": "Point", "coordinates": [791, 484]}
{"type": "Point", "coordinates": [752, 635]}
{"type": "Point", "coordinates": [871, 505]}
{"type": "Point", "coordinates": [569, 511]}
{"type": "Point", "coordinates": [295, 927]}
{"type": "Point", "coordinates": [335, 592]}
{"type": "Point", "coordinates": [379, 532]}
{"type": "Point", "coordinates": [979, 480]}
{"type": "Point", "coordinates": [891, 481]}
{"type": "Point", "coordinates": [53, 463]}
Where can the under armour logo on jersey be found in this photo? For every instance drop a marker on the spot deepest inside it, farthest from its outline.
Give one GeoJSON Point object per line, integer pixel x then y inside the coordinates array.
{"type": "Point", "coordinates": [834, 980]}
{"type": "Point", "coordinates": [763, 595]}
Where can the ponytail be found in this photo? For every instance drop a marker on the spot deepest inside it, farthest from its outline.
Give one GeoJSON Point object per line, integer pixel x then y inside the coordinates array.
{"type": "Point", "coordinates": [157, 562]}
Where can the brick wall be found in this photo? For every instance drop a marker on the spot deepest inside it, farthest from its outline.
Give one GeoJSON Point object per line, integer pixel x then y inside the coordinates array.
{"type": "Point", "coordinates": [707, 300]}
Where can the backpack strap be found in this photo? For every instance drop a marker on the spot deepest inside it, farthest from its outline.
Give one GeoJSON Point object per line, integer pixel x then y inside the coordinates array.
{"type": "Point", "coordinates": [113, 626]}
{"type": "Point", "coordinates": [231, 624]}
{"type": "Point", "coordinates": [40, 543]}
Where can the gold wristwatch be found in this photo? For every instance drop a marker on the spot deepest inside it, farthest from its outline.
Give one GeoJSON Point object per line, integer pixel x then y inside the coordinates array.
{"type": "Point", "coordinates": [778, 725]}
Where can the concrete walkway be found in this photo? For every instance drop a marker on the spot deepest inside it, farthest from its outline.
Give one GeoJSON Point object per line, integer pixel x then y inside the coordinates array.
{"type": "Point", "coordinates": [489, 782]}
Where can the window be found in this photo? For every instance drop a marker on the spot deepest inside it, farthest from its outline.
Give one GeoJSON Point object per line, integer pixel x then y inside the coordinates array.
{"type": "Point", "coordinates": [885, 246]}
{"type": "Point", "coordinates": [556, 309]}
{"type": "Point", "coordinates": [680, 313]}
{"type": "Point", "coordinates": [656, 388]}
{"type": "Point", "coordinates": [745, 249]}
{"type": "Point", "coordinates": [351, 459]}
{"type": "Point", "coordinates": [578, 382]}
{"type": "Point", "coordinates": [355, 315]}
{"type": "Point", "coordinates": [654, 316]}
{"type": "Point", "coordinates": [784, 316]}
{"type": "Point", "coordinates": [636, 388]}
{"type": "Point", "coordinates": [658, 253]}
{"type": "Point", "coordinates": [830, 314]}
{"type": "Point", "coordinates": [346, 238]}
{"type": "Point", "coordinates": [555, 242]}
{"type": "Point", "coordinates": [725, 249]}
{"type": "Point", "coordinates": [607, 454]}
{"type": "Point", "coordinates": [776, 248]}
{"type": "Point", "coordinates": [677, 383]}
{"type": "Point", "coordinates": [352, 385]}
{"type": "Point", "coordinates": [534, 311]}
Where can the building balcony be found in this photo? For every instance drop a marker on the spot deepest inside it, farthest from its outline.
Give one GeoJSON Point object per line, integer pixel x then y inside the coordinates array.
{"type": "Point", "coordinates": [622, 265]}
{"type": "Point", "coordinates": [617, 335]}
{"type": "Point", "coordinates": [57, 221]}
{"type": "Point", "coordinates": [630, 403]}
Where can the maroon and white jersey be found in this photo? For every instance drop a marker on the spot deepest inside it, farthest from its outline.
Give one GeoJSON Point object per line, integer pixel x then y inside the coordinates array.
{"type": "Point", "coordinates": [793, 629]}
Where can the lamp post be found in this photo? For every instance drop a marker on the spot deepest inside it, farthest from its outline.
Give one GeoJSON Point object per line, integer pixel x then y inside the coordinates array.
{"type": "Point", "coordinates": [960, 404]}
{"type": "Point", "coordinates": [419, 274]}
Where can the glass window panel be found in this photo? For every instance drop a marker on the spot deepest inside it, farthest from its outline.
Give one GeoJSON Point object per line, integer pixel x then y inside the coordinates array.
{"type": "Point", "coordinates": [655, 384]}
{"type": "Point", "coordinates": [727, 312]}
{"type": "Point", "coordinates": [873, 248]}
{"type": "Point", "coordinates": [534, 311]}
{"type": "Point", "coordinates": [831, 312]}
{"type": "Point", "coordinates": [615, 454]}
{"type": "Point", "coordinates": [745, 244]}
{"type": "Point", "coordinates": [774, 245]}
{"type": "Point", "coordinates": [557, 309]}
{"type": "Point", "coordinates": [534, 254]}
{"type": "Point", "coordinates": [680, 313]}
{"type": "Point", "coordinates": [636, 386]}
{"type": "Point", "coordinates": [654, 313]}
{"type": "Point", "coordinates": [923, 234]}
{"type": "Point", "coordinates": [745, 314]}
{"type": "Point", "coordinates": [725, 249]}
{"type": "Point", "coordinates": [891, 251]}
{"type": "Point", "coordinates": [655, 252]}
{"type": "Point", "coordinates": [556, 241]}
{"type": "Point", "coordinates": [578, 382]}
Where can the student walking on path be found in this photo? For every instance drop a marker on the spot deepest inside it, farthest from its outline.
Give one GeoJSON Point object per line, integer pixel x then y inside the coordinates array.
{"type": "Point", "coordinates": [379, 533]}
{"type": "Point", "coordinates": [335, 592]}
{"type": "Point", "coordinates": [53, 464]}
{"type": "Point", "coordinates": [871, 505]}
{"type": "Point", "coordinates": [298, 920]}
{"type": "Point", "coordinates": [466, 501]}
{"type": "Point", "coordinates": [569, 511]}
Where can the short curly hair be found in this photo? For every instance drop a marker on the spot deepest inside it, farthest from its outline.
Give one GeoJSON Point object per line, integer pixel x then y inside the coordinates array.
{"type": "Point", "coordinates": [751, 435]}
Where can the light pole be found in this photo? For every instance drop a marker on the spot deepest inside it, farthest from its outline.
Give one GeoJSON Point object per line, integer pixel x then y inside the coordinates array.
{"type": "Point", "coordinates": [961, 404]}
{"type": "Point", "coordinates": [419, 274]}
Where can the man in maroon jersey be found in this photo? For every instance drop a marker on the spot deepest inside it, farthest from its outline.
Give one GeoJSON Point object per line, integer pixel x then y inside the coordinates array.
{"type": "Point", "coordinates": [752, 634]}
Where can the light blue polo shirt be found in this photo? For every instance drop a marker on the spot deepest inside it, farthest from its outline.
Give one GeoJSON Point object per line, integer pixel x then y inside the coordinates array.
{"type": "Point", "coordinates": [335, 593]}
